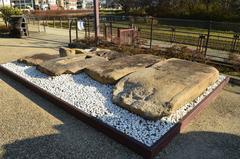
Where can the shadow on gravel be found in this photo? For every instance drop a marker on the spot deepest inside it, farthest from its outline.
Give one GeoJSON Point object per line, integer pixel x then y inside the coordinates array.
{"type": "Point", "coordinates": [77, 140]}
{"type": "Point", "coordinates": [30, 70]}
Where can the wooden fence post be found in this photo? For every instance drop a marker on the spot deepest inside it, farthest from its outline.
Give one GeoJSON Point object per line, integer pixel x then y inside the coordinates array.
{"type": "Point", "coordinates": [54, 22]}
{"type": "Point", "coordinates": [151, 32]}
{"type": "Point", "coordinates": [208, 37]}
{"type": "Point", "coordinates": [60, 22]}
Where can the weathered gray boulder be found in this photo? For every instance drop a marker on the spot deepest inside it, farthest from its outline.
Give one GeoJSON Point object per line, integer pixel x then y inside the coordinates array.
{"type": "Point", "coordinates": [111, 71]}
{"type": "Point", "coordinates": [70, 65]}
{"type": "Point", "coordinates": [163, 88]}
{"type": "Point", "coordinates": [64, 51]}
{"type": "Point", "coordinates": [37, 59]}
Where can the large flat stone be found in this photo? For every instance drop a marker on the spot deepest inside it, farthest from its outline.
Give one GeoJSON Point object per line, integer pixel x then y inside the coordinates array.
{"type": "Point", "coordinates": [37, 59]}
{"type": "Point", "coordinates": [111, 71]}
{"type": "Point", "coordinates": [69, 65]}
{"type": "Point", "coordinates": [163, 88]}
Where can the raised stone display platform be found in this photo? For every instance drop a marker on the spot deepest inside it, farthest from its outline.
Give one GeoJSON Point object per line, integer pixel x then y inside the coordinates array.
{"type": "Point", "coordinates": [91, 102]}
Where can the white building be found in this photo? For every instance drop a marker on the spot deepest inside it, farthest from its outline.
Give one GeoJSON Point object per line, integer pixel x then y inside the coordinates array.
{"type": "Point", "coordinates": [83, 4]}
{"type": "Point", "coordinates": [5, 3]}
{"type": "Point", "coordinates": [109, 4]}
{"type": "Point", "coordinates": [22, 4]}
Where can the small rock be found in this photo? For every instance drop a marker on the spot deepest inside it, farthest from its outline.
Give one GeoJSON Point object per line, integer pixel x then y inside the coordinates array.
{"type": "Point", "coordinates": [79, 51]}
{"type": "Point", "coordinates": [64, 51]}
{"type": "Point", "coordinates": [108, 54]}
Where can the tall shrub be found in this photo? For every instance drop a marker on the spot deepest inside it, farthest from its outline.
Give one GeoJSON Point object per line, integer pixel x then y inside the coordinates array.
{"type": "Point", "coordinates": [7, 12]}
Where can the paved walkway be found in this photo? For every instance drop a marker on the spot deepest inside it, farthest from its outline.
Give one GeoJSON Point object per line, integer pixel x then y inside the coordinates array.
{"type": "Point", "coordinates": [32, 127]}
{"type": "Point", "coordinates": [56, 34]}
{"type": "Point", "coordinates": [213, 54]}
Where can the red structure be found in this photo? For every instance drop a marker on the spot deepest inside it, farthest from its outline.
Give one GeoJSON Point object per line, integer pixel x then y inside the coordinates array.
{"type": "Point", "coordinates": [127, 36]}
{"type": "Point", "coordinates": [53, 7]}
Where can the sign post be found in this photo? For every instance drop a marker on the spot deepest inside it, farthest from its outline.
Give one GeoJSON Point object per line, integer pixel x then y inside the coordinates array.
{"type": "Point", "coordinates": [96, 19]}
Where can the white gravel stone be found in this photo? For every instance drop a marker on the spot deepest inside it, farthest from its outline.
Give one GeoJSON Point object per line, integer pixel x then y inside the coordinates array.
{"type": "Point", "coordinates": [96, 100]}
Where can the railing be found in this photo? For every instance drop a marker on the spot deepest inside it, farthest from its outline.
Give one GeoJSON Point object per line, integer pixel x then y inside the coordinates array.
{"type": "Point", "coordinates": [62, 13]}
{"type": "Point", "coordinates": [216, 39]}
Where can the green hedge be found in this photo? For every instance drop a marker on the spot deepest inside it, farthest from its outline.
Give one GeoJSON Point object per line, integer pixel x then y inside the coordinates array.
{"type": "Point", "coordinates": [7, 12]}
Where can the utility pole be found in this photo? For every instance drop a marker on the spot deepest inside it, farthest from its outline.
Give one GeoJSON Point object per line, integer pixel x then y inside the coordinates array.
{"type": "Point", "coordinates": [96, 18]}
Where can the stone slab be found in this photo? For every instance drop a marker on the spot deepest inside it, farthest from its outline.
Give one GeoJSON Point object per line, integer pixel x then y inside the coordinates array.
{"type": "Point", "coordinates": [69, 65]}
{"type": "Point", "coordinates": [163, 88]}
{"type": "Point", "coordinates": [111, 71]}
{"type": "Point", "coordinates": [37, 59]}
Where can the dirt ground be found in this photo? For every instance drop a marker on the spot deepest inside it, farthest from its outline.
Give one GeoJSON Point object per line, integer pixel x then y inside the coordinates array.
{"type": "Point", "coordinates": [32, 127]}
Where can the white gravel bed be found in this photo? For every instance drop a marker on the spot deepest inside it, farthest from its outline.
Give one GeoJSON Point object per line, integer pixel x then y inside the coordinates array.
{"type": "Point", "coordinates": [94, 98]}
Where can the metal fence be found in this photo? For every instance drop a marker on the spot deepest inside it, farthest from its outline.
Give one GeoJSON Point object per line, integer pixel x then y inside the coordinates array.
{"type": "Point", "coordinates": [218, 35]}
{"type": "Point", "coordinates": [217, 39]}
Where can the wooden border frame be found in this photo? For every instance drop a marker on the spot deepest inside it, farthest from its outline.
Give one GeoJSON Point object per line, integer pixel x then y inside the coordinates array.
{"type": "Point", "coordinates": [133, 144]}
